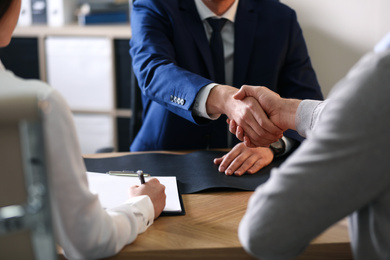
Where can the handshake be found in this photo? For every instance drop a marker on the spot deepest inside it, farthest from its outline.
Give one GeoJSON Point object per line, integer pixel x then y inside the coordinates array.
{"type": "Point", "coordinates": [262, 116]}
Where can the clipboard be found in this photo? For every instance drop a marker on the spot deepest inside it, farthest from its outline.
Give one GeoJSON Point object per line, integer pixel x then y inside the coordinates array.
{"type": "Point", "coordinates": [112, 191]}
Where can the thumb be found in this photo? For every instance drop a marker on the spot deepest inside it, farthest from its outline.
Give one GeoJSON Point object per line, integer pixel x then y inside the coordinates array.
{"type": "Point", "coordinates": [245, 91]}
{"type": "Point", "coordinates": [241, 94]}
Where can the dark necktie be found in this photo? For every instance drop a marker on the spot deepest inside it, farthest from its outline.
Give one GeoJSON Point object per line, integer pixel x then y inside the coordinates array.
{"type": "Point", "coordinates": [216, 46]}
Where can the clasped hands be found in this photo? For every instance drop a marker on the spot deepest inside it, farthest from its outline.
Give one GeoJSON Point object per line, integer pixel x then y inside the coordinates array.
{"type": "Point", "coordinates": [258, 117]}
{"type": "Point", "coordinates": [272, 114]}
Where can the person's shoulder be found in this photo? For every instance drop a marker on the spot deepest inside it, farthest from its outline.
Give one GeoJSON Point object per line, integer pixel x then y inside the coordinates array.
{"type": "Point", "coordinates": [273, 4]}
{"type": "Point", "coordinates": [158, 7]}
{"type": "Point", "coordinates": [13, 83]}
{"type": "Point", "coordinates": [383, 59]}
{"type": "Point", "coordinates": [368, 79]}
{"type": "Point", "coordinates": [156, 3]}
{"type": "Point", "coordinates": [272, 8]}
{"type": "Point", "coordinates": [376, 62]}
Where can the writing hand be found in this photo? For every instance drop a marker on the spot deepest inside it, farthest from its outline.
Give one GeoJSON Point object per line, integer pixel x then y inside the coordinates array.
{"type": "Point", "coordinates": [243, 159]}
{"type": "Point", "coordinates": [156, 192]}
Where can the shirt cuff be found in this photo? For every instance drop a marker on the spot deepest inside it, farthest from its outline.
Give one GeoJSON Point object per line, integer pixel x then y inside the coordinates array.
{"type": "Point", "coordinates": [143, 210]}
{"type": "Point", "coordinates": [307, 115]}
{"type": "Point", "coordinates": [289, 143]}
{"type": "Point", "coordinates": [200, 103]}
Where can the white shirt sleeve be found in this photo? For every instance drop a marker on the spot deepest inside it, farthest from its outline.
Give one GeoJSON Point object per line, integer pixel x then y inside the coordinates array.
{"type": "Point", "coordinates": [83, 228]}
{"type": "Point", "coordinates": [142, 208]}
{"type": "Point", "coordinates": [307, 115]}
{"type": "Point", "coordinates": [200, 103]}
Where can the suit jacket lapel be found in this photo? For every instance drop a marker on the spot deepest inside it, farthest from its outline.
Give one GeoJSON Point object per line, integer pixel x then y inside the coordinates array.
{"type": "Point", "coordinates": [195, 26]}
{"type": "Point", "coordinates": [245, 28]}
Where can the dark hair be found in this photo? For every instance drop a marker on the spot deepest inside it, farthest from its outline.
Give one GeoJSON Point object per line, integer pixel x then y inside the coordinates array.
{"type": "Point", "coordinates": [4, 5]}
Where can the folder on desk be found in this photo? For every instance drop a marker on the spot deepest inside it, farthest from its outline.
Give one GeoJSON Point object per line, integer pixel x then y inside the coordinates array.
{"type": "Point", "coordinates": [113, 191]}
{"type": "Point", "coordinates": [195, 171]}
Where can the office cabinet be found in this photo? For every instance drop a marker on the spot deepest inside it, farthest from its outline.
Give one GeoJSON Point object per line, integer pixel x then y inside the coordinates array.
{"type": "Point", "coordinates": [27, 48]}
{"type": "Point", "coordinates": [80, 68]}
{"type": "Point", "coordinates": [90, 66]}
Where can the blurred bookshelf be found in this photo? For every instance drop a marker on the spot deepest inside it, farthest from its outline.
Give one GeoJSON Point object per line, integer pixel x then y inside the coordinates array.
{"type": "Point", "coordinates": [68, 57]}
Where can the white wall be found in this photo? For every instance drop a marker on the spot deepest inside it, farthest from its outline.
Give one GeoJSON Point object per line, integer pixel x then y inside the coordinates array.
{"type": "Point", "coordinates": [339, 32]}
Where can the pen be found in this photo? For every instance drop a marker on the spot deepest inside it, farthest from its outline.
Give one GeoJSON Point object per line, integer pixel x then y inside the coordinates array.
{"type": "Point", "coordinates": [126, 173]}
{"type": "Point", "coordinates": [141, 176]}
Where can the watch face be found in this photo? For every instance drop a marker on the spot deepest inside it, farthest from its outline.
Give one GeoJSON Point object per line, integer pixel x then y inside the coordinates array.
{"type": "Point", "coordinates": [278, 147]}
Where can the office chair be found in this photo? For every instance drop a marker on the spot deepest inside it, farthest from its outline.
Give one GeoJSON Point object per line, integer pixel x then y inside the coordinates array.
{"type": "Point", "coordinates": [25, 216]}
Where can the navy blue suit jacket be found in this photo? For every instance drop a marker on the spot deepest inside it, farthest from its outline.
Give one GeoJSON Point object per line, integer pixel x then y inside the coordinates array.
{"type": "Point", "coordinates": [172, 62]}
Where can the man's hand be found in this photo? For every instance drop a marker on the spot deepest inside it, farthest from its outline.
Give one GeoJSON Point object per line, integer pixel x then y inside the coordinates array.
{"type": "Point", "coordinates": [247, 113]}
{"type": "Point", "coordinates": [279, 110]}
{"type": "Point", "coordinates": [243, 159]}
{"type": "Point", "coordinates": [154, 190]}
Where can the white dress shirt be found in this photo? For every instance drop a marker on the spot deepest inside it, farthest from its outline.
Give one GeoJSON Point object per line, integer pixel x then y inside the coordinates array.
{"type": "Point", "coordinates": [227, 33]}
{"type": "Point", "coordinates": [83, 229]}
{"type": "Point", "coordinates": [228, 46]}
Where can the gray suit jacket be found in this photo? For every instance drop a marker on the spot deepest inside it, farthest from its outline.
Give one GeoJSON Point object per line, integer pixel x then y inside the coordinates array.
{"type": "Point", "coordinates": [340, 170]}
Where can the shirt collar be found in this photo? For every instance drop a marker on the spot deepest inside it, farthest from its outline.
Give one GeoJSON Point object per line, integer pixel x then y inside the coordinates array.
{"type": "Point", "coordinates": [1, 66]}
{"type": "Point", "coordinates": [205, 12]}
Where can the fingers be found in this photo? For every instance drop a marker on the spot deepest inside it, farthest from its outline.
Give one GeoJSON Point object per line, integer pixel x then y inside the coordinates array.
{"type": "Point", "coordinates": [156, 192]}
{"type": "Point", "coordinates": [232, 126]}
{"type": "Point", "coordinates": [248, 143]}
{"type": "Point", "coordinates": [235, 129]}
{"type": "Point", "coordinates": [240, 133]}
{"type": "Point", "coordinates": [259, 140]}
{"type": "Point", "coordinates": [260, 134]}
{"type": "Point", "coordinates": [255, 123]}
{"type": "Point", "coordinates": [241, 94]}
{"type": "Point", "coordinates": [242, 159]}
{"type": "Point", "coordinates": [245, 91]}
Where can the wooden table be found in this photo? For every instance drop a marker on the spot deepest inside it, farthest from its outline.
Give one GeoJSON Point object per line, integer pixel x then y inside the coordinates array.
{"type": "Point", "coordinates": [209, 231]}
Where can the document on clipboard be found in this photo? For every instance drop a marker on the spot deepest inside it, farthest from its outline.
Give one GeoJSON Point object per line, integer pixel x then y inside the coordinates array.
{"type": "Point", "coordinates": [112, 190]}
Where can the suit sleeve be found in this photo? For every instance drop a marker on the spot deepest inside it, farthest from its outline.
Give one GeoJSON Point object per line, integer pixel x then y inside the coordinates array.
{"type": "Point", "coordinates": [154, 60]}
{"type": "Point", "coordinates": [298, 78]}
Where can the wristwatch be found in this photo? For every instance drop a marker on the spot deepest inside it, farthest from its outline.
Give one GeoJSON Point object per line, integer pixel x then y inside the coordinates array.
{"type": "Point", "coordinates": [278, 148]}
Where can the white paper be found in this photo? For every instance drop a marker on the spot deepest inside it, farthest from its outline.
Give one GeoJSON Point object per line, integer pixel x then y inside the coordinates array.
{"type": "Point", "coordinates": [113, 190]}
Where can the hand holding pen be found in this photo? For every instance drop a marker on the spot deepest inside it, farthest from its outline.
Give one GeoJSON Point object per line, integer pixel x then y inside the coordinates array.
{"type": "Point", "coordinates": [141, 176]}
{"type": "Point", "coordinates": [152, 188]}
